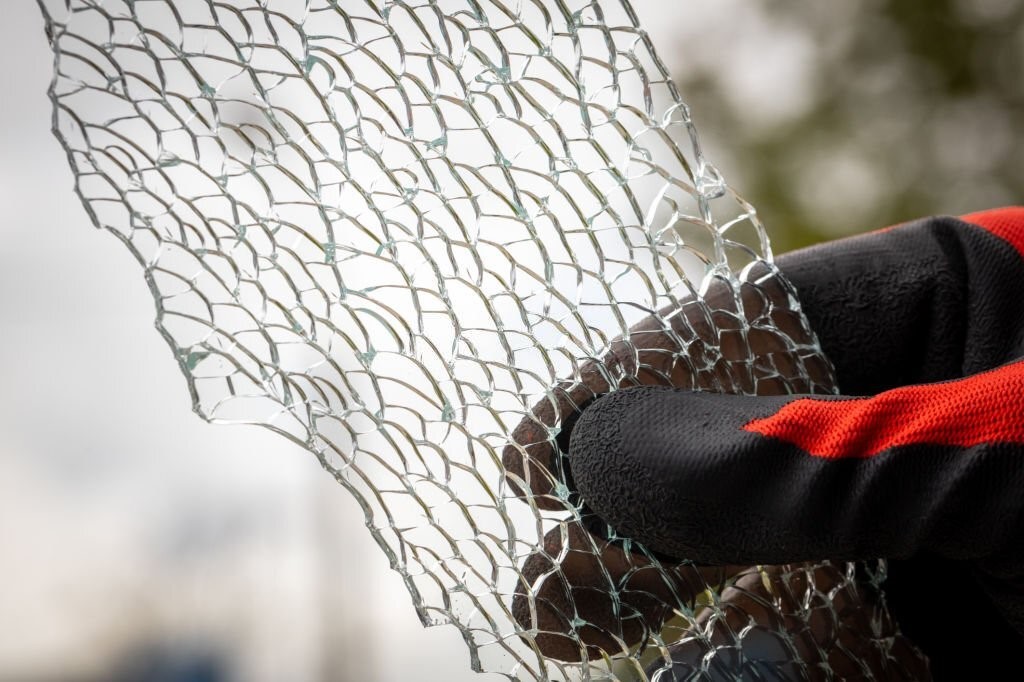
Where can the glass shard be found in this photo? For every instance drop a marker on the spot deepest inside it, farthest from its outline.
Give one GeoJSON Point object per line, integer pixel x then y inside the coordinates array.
{"type": "Point", "coordinates": [415, 237]}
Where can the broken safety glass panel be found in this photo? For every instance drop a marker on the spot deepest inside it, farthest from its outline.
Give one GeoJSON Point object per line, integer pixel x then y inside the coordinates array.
{"type": "Point", "coordinates": [415, 237]}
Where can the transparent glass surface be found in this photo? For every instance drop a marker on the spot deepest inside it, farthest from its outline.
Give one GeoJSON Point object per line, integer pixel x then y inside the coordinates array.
{"type": "Point", "coordinates": [415, 237]}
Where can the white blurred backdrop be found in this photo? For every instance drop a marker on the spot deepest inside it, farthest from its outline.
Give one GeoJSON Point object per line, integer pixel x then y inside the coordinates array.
{"type": "Point", "coordinates": [136, 541]}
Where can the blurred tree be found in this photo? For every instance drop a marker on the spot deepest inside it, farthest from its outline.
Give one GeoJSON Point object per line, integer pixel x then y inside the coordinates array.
{"type": "Point", "coordinates": [839, 118]}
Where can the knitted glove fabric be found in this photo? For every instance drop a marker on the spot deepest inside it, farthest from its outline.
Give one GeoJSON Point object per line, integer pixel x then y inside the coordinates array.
{"type": "Point", "coordinates": [925, 324]}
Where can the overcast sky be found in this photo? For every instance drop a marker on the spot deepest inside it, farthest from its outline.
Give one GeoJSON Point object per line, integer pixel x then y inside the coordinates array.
{"type": "Point", "coordinates": [126, 523]}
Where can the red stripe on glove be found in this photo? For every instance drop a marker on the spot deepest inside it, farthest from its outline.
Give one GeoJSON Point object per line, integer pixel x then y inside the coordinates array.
{"type": "Point", "coordinates": [986, 408]}
{"type": "Point", "coordinates": [1005, 223]}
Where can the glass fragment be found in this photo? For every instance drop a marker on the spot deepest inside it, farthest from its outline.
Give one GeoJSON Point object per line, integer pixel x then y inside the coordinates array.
{"type": "Point", "coordinates": [414, 237]}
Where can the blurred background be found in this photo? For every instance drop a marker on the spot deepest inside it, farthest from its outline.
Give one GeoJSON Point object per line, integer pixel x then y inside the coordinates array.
{"type": "Point", "coordinates": [840, 118]}
{"type": "Point", "coordinates": [138, 543]}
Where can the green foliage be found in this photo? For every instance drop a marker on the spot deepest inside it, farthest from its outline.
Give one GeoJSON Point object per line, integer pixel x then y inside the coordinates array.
{"type": "Point", "coordinates": [912, 108]}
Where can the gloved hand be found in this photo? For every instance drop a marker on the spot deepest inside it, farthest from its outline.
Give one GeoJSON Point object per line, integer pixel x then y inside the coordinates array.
{"type": "Point", "coordinates": [581, 587]}
{"type": "Point", "coordinates": [926, 318]}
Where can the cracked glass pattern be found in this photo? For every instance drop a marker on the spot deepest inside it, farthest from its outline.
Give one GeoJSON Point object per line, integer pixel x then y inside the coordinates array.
{"type": "Point", "coordinates": [415, 237]}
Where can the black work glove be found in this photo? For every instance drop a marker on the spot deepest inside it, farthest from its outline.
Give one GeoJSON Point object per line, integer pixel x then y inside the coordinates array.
{"type": "Point", "coordinates": [584, 593]}
{"type": "Point", "coordinates": [927, 320]}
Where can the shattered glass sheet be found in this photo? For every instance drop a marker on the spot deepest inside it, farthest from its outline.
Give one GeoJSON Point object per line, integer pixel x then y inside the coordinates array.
{"type": "Point", "coordinates": [413, 237]}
